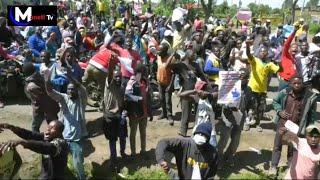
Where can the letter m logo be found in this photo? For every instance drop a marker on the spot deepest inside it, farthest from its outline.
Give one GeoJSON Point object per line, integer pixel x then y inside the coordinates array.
{"type": "Point", "coordinates": [23, 16]}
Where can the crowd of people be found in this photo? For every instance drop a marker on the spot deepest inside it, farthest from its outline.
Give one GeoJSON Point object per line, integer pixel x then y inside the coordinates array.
{"type": "Point", "coordinates": [184, 55]}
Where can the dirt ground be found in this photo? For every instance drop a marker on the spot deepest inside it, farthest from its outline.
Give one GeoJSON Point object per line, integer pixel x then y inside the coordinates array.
{"type": "Point", "coordinates": [97, 149]}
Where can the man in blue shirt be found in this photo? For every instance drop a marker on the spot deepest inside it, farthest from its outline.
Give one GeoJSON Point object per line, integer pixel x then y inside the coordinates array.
{"type": "Point", "coordinates": [72, 107]}
{"type": "Point", "coordinates": [36, 43]}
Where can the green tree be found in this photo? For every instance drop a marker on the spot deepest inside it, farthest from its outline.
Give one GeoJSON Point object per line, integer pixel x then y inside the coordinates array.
{"type": "Point", "coordinates": [311, 4]}
{"type": "Point", "coordinates": [208, 7]}
{"type": "Point", "coordinates": [254, 9]}
{"type": "Point", "coordinates": [276, 11]}
{"type": "Point", "coordinates": [259, 10]}
{"type": "Point", "coordinates": [290, 4]}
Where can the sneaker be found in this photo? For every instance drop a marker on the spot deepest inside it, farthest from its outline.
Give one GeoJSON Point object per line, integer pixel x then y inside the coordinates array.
{"type": "Point", "coordinates": [252, 121]}
{"type": "Point", "coordinates": [246, 127]}
{"type": "Point", "coordinates": [1, 104]}
{"type": "Point", "coordinates": [259, 128]}
{"type": "Point", "coordinates": [272, 171]}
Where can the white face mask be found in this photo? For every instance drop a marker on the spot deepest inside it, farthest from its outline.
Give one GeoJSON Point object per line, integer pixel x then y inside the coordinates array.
{"type": "Point", "coordinates": [199, 139]}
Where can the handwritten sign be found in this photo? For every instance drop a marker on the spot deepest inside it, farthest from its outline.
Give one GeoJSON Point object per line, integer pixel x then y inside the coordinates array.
{"type": "Point", "coordinates": [229, 88]}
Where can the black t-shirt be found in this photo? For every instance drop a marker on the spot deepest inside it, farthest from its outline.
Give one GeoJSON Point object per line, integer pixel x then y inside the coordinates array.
{"type": "Point", "coordinates": [188, 74]}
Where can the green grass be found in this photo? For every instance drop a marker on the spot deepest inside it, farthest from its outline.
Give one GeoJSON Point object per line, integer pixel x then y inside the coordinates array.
{"type": "Point", "coordinates": [154, 172]}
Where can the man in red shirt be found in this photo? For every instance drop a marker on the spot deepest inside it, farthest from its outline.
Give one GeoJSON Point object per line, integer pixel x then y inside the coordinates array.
{"type": "Point", "coordinates": [288, 61]}
{"type": "Point", "coordinates": [128, 58]}
{"type": "Point", "coordinates": [98, 68]}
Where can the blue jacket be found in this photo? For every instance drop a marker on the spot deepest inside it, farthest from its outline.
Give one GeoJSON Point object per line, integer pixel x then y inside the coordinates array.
{"type": "Point", "coordinates": [36, 44]}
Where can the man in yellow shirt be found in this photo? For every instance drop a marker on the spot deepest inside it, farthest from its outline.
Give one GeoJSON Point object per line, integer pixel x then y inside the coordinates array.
{"type": "Point", "coordinates": [258, 82]}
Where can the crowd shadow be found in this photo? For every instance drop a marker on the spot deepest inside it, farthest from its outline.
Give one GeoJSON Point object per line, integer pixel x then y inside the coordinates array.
{"type": "Point", "coordinates": [267, 125]}
{"type": "Point", "coordinates": [88, 147]}
{"type": "Point", "coordinates": [273, 88]}
{"type": "Point", "coordinates": [132, 163]}
{"type": "Point", "coordinates": [249, 161]}
{"type": "Point", "coordinates": [95, 127]}
{"type": "Point", "coordinates": [20, 100]}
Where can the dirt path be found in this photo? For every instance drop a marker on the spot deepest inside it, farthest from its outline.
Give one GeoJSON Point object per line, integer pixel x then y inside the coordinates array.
{"type": "Point", "coordinates": [97, 149]}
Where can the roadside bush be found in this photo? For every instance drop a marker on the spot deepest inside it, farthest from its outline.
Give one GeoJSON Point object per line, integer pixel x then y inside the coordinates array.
{"type": "Point", "coordinates": [314, 28]}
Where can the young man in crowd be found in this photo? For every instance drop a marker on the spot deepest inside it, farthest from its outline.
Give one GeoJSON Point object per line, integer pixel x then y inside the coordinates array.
{"type": "Point", "coordinates": [114, 126]}
{"type": "Point", "coordinates": [73, 105]}
{"type": "Point", "coordinates": [138, 106]}
{"type": "Point", "coordinates": [50, 144]}
{"type": "Point", "coordinates": [195, 157]}
{"type": "Point", "coordinates": [164, 76]}
{"type": "Point", "coordinates": [188, 71]}
{"type": "Point", "coordinates": [43, 106]}
{"type": "Point", "coordinates": [289, 51]}
{"type": "Point", "coordinates": [233, 117]}
{"type": "Point", "coordinates": [261, 69]}
{"type": "Point", "coordinates": [296, 104]}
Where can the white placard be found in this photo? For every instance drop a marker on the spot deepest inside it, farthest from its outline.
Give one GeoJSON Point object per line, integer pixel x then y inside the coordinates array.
{"type": "Point", "coordinates": [292, 127]}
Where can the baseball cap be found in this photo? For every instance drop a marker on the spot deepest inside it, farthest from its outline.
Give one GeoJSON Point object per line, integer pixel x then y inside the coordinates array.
{"type": "Point", "coordinates": [313, 128]}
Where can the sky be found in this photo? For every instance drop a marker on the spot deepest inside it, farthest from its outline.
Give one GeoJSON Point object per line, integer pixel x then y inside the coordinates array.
{"type": "Point", "coordinates": [271, 3]}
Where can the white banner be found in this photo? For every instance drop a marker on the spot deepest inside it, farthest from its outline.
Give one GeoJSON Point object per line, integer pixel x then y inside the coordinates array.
{"type": "Point", "coordinates": [229, 88]}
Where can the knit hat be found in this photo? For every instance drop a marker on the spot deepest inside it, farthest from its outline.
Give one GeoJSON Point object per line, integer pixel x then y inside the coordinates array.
{"type": "Point", "coordinates": [204, 128]}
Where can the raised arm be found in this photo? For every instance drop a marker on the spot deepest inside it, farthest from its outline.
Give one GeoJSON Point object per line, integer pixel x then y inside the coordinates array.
{"type": "Point", "coordinates": [287, 43]}
{"type": "Point", "coordinates": [22, 133]}
{"type": "Point", "coordinates": [50, 91]}
{"type": "Point", "coordinates": [248, 51]}
{"type": "Point", "coordinates": [112, 66]}
{"type": "Point", "coordinates": [188, 94]}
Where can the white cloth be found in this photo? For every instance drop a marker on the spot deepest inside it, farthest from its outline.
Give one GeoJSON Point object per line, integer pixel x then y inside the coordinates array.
{"type": "Point", "coordinates": [196, 174]}
{"type": "Point", "coordinates": [178, 13]}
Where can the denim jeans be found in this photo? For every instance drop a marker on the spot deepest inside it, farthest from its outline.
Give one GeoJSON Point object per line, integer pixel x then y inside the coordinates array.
{"type": "Point", "coordinates": [77, 157]}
